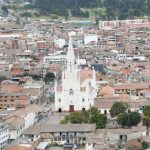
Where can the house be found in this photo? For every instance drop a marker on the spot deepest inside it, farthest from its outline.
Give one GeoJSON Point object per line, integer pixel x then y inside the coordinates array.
{"type": "Point", "coordinates": [4, 135]}
{"type": "Point", "coordinates": [60, 133]}
{"type": "Point", "coordinates": [16, 125]}
{"type": "Point", "coordinates": [13, 100]}
{"type": "Point", "coordinates": [132, 88]}
{"type": "Point", "coordinates": [17, 69]}
{"type": "Point", "coordinates": [90, 39]}
{"type": "Point", "coordinates": [42, 45]}
{"type": "Point", "coordinates": [97, 140]}
{"type": "Point", "coordinates": [125, 135]}
{"type": "Point", "coordinates": [103, 139]}
{"type": "Point", "coordinates": [4, 113]}
{"type": "Point", "coordinates": [119, 23]}
{"type": "Point", "coordinates": [4, 65]}
{"type": "Point", "coordinates": [8, 86]}
{"type": "Point", "coordinates": [32, 133]}
{"type": "Point", "coordinates": [34, 88]}
{"type": "Point", "coordinates": [22, 119]}
{"type": "Point", "coordinates": [22, 144]}
{"type": "Point", "coordinates": [55, 59]}
{"type": "Point", "coordinates": [29, 114]}
{"type": "Point", "coordinates": [107, 91]}
{"type": "Point", "coordinates": [104, 104]}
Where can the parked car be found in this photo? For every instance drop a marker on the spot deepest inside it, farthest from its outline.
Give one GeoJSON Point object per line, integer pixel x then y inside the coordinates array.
{"type": "Point", "coordinates": [70, 145]}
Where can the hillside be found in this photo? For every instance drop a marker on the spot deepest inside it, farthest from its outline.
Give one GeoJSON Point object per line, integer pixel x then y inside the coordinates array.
{"type": "Point", "coordinates": [89, 9]}
{"type": "Point", "coordinates": [121, 9]}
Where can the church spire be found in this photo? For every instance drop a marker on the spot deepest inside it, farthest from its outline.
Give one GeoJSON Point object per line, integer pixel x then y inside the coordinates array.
{"type": "Point", "coordinates": [70, 56]}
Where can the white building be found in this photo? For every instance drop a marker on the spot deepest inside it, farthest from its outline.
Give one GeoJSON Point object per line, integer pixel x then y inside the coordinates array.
{"type": "Point", "coordinates": [55, 59]}
{"type": "Point", "coordinates": [22, 119]}
{"type": "Point", "coordinates": [60, 43]}
{"type": "Point", "coordinates": [123, 56]}
{"type": "Point", "coordinates": [90, 38]}
{"type": "Point", "coordinates": [77, 89]}
{"type": "Point", "coordinates": [4, 135]}
{"type": "Point", "coordinates": [118, 23]}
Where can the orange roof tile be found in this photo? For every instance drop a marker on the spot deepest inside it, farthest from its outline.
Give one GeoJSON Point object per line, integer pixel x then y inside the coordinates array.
{"type": "Point", "coordinates": [107, 90]}
{"type": "Point", "coordinates": [85, 74]}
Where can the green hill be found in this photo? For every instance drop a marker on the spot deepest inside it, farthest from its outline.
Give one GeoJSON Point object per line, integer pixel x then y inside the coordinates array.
{"type": "Point", "coordinates": [121, 9]}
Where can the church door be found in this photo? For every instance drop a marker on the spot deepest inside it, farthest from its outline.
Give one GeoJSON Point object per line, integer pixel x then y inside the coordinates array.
{"type": "Point", "coordinates": [59, 110]}
{"type": "Point", "coordinates": [71, 108]}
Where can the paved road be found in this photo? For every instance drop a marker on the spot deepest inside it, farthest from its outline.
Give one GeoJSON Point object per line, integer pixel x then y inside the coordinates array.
{"type": "Point", "coordinates": [61, 148]}
{"type": "Point", "coordinates": [54, 148]}
{"type": "Point", "coordinates": [53, 118]}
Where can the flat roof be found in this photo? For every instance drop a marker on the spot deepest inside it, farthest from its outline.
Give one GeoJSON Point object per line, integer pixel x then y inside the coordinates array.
{"type": "Point", "coordinates": [42, 145]}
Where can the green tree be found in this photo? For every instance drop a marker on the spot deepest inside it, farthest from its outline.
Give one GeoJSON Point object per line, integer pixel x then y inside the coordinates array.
{"type": "Point", "coordinates": [97, 118]}
{"type": "Point", "coordinates": [4, 10]}
{"type": "Point", "coordinates": [28, 6]}
{"type": "Point", "coordinates": [49, 77]}
{"type": "Point", "coordinates": [146, 122]}
{"type": "Point", "coordinates": [135, 118]}
{"type": "Point", "coordinates": [123, 119]}
{"type": "Point", "coordinates": [17, 20]}
{"type": "Point", "coordinates": [76, 118]}
{"type": "Point", "coordinates": [122, 9]}
{"type": "Point", "coordinates": [64, 121]}
{"type": "Point", "coordinates": [2, 78]}
{"type": "Point", "coordinates": [91, 116]}
{"type": "Point", "coordinates": [51, 6]}
{"type": "Point", "coordinates": [147, 111]}
{"type": "Point", "coordinates": [144, 145]}
{"type": "Point", "coordinates": [117, 108]}
{"type": "Point", "coordinates": [129, 119]}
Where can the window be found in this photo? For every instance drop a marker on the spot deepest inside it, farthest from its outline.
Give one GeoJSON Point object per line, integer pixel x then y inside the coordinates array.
{"type": "Point", "coordinates": [83, 100]}
{"type": "Point", "coordinates": [89, 83]}
{"type": "Point", "coordinates": [59, 100]}
{"type": "Point", "coordinates": [83, 109]}
{"type": "Point", "coordinates": [71, 92]}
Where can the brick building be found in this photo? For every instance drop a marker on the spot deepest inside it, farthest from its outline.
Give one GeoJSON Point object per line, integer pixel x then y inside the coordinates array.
{"type": "Point", "coordinates": [17, 69]}
{"type": "Point", "coordinates": [13, 100]}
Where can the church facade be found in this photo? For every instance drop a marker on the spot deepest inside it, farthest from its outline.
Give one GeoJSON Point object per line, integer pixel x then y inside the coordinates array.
{"type": "Point", "coordinates": [77, 88]}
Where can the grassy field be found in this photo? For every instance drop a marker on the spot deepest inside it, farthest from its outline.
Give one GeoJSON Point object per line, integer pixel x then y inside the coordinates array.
{"type": "Point", "coordinates": [94, 12]}
{"type": "Point", "coordinates": [9, 25]}
{"type": "Point", "coordinates": [92, 15]}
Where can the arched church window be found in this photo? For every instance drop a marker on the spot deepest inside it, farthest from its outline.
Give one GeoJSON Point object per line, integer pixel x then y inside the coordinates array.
{"type": "Point", "coordinates": [59, 100]}
{"type": "Point", "coordinates": [89, 83]}
{"type": "Point", "coordinates": [70, 67]}
{"type": "Point", "coordinates": [83, 100]}
{"type": "Point", "coordinates": [71, 92]}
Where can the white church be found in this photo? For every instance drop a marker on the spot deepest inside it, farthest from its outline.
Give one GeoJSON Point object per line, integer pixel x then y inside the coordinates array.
{"type": "Point", "coordinates": [77, 89]}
